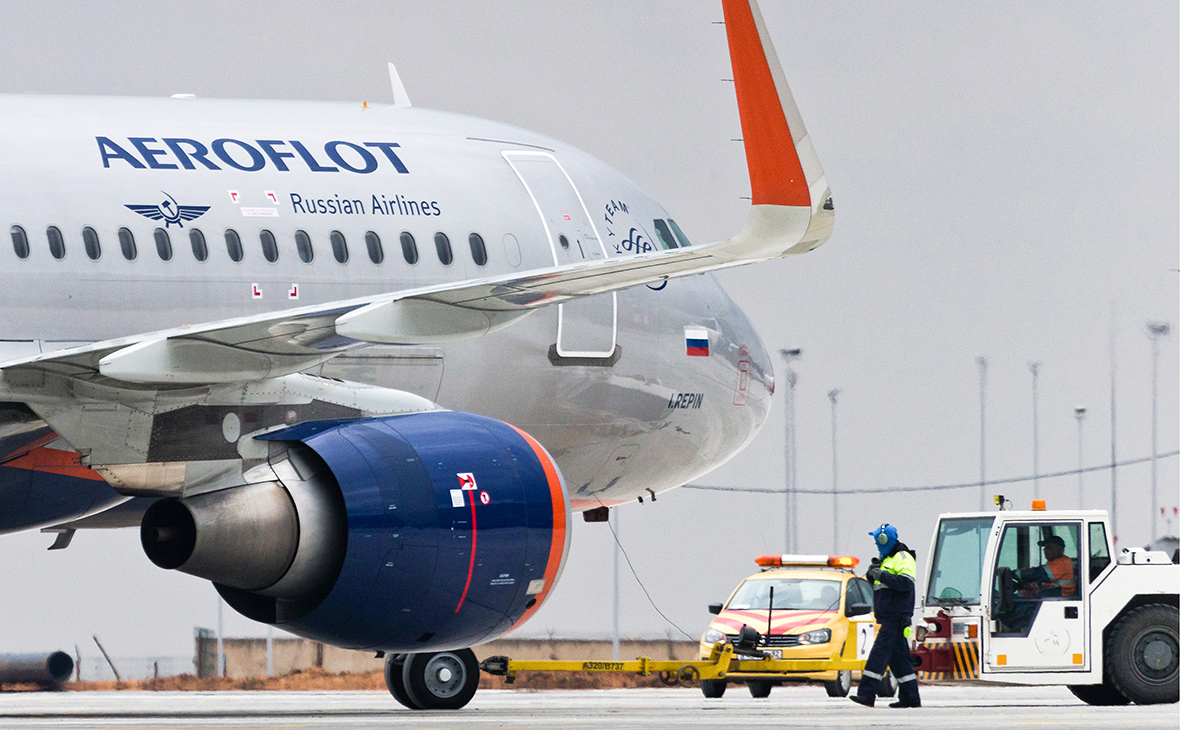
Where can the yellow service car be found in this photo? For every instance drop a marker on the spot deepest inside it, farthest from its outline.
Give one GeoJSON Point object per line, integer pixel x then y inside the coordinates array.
{"type": "Point", "coordinates": [815, 608]}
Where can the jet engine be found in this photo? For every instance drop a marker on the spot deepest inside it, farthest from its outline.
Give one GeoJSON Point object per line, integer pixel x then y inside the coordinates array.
{"type": "Point", "coordinates": [410, 533]}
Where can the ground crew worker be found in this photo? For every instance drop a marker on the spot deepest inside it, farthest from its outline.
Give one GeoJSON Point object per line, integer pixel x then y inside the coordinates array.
{"type": "Point", "coordinates": [893, 607]}
{"type": "Point", "coordinates": [1054, 579]}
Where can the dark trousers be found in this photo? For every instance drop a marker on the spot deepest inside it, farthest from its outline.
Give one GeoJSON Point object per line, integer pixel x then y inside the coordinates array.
{"type": "Point", "coordinates": [891, 649]}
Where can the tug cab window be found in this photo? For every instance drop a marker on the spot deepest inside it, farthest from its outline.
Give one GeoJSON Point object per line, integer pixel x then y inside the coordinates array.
{"type": "Point", "coordinates": [1036, 563]}
{"type": "Point", "coordinates": [20, 242]}
{"type": "Point", "coordinates": [90, 243]}
{"type": "Point", "coordinates": [127, 244]}
{"type": "Point", "coordinates": [1099, 550]}
{"type": "Point", "coordinates": [664, 233]}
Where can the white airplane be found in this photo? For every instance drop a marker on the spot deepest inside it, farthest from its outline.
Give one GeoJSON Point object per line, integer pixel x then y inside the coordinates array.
{"type": "Point", "coordinates": [357, 364]}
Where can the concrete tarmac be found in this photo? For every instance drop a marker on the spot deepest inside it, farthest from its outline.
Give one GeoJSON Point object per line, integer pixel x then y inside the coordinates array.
{"type": "Point", "coordinates": [944, 707]}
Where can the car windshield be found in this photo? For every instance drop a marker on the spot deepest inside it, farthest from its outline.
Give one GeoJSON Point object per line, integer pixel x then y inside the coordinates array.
{"type": "Point", "coordinates": [958, 560]}
{"type": "Point", "coordinates": [807, 594]}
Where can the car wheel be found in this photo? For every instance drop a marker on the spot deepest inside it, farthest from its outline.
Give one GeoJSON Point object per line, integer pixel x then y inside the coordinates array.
{"type": "Point", "coordinates": [759, 688]}
{"type": "Point", "coordinates": [1142, 655]}
{"type": "Point", "coordinates": [712, 688]}
{"type": "Point", "coordinates": [887, 687]}
{"type": "Point", "coordinates": [444, 680]}
{"type": "Point", "coordinates": [840, 686]}
{"type": "Point", "coordinates": [1101, 695]}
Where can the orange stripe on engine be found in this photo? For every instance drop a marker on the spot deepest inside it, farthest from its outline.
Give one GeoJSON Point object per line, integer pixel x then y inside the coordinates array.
{"type": "Point", "coordinates": [776, 176]}
{"type": "Point", "coordinates": [557, 541]}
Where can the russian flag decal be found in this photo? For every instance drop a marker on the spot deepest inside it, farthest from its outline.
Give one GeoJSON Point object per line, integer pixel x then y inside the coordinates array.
{"type": "Point", "coordinates": [696, 341]}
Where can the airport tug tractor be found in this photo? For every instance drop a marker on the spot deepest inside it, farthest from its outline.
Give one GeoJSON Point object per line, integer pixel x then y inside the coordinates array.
{"type": "Point", "coordinates": [796, 607]}
{"type": "Point", "coordinates": [1042, 598]}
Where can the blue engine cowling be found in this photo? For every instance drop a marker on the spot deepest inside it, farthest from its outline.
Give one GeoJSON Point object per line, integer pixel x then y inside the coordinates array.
{"type": "Point", "coordinates": [457, 529]}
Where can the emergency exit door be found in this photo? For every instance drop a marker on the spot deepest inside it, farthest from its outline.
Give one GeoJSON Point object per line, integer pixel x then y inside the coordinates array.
{"type": "Point", "coordinates": [585, 327]}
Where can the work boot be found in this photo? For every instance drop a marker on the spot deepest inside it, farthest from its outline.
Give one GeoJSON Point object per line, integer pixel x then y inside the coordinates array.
{"type": "Point", "coordinates": [866, 701]}
{"type": "Point", "coordinates": [898, 704]}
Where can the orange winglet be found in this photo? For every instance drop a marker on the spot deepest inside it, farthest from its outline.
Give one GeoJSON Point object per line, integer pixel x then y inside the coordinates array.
{"type": "Point", "coordinates": [776, 175]}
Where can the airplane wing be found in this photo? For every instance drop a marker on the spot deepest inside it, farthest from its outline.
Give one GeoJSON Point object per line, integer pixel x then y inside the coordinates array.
{"type": "Point", "coordinates": [791, 213]}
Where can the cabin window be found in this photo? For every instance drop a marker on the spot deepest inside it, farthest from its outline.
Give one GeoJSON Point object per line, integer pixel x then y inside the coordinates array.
{"type": "Point", "coordinates": [409, 248]}
{"type": "Point", "coordinates": [197, 240]}
{"type": "Point", "coordinates": [127, 244]}
{"type": "Point", "coordinates": [270, 248]}
{"type": "Point", "coordinates": [163, 244]}
{"type": "Point", "coordinates": [90, 243]}
{"type": "Point", "coordinates": [233, 245]}
{"type": "Point", "coordinates": [664, 233]}
{"type": "Point", "coordinates": [563, 241]}
{"type": "Point", "coordinates": [683, 239]}
{"type": "Point", "coordinates": [373, 244]}
{"type": "Point", "coordinates": [479, 252]}
{"type": "Point", "coordinates": [57, 245]}
{"type": "Point", "coordinates": [442, 245]}
{"type": "Point", "coordinates": [303, 246]}
{"type": "Point", "coordinates": [20, 242]}
{"type": "Point", "coordinates": [339, 247]}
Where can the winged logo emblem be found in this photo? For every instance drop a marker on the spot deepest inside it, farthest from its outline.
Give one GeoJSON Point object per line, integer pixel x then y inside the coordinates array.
{"type": "Point", "coordinates": [170, 211]}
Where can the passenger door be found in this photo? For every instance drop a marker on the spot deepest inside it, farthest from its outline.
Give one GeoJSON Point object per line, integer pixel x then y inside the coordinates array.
{"type": "Point", "coordinates": [586, 328]}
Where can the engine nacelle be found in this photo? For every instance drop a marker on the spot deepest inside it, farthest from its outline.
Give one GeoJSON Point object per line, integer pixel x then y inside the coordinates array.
{"type": "Point", "coordinates": [409, 533]}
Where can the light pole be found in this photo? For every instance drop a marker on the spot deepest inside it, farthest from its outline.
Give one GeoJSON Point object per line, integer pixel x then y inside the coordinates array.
{"type": "Point", "coordinates": [982, 362]}
{"type": "Point", "coordinates": [1155, 330]}
{"type": "Point", "coordinates": [1034, 368]}
{"type": "Point", "coordinates": [790, 542]}
{"type": "Point", "coordinates": [1079, 412]}
{"type": "Point", "coordinates": [835, 483]}
{"type": "Point", "coordinates": [1114, 462]}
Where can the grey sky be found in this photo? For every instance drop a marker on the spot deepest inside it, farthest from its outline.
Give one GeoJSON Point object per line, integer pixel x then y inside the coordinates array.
{"type": "Point", "coordinates": [1005, 176]}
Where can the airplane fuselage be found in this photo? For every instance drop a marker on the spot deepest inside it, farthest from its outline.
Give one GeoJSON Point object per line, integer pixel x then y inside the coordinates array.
{"type": "Point", "coordinates": [134, 215]}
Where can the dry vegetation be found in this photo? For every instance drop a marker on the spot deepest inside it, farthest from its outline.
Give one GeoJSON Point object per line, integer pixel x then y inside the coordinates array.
{"type": "Point", "coordinates": [319, 680]}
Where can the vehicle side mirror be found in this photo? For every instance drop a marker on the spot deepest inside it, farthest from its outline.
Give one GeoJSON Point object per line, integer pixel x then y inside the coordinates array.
{"type": "Point", "coordinates": [715, 608]}
{"type": "Point", "coordinates": [857, 609]}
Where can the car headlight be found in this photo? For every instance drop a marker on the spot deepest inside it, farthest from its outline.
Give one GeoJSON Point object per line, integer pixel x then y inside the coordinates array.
{"type": "Point", "coordinates": [712, 636]}
{"type": "Point", "coordinates": [822, 636]}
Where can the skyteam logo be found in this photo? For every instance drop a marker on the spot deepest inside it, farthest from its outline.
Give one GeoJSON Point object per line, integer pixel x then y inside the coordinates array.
{"type": "Point", "coordinates": [170, 211]}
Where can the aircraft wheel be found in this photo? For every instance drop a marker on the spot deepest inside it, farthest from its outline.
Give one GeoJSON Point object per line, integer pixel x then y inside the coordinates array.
{"type": "Point", "coordinates": [1143, 654]}
{"type": "Point", "coordinates": [394, 682]}
{"type": "Point", "coordinates": [712, 688]}
{"type": "Point", "coordinates": [444, 680]}
{"type": "Point", "coordinates": [1101, 695]}
{"type": "Point", "coordinates": [887, 687]}
{"type": "Point", "coordinates": [759, 688]}
{"type": "Point", "coordinates": [839, 686]}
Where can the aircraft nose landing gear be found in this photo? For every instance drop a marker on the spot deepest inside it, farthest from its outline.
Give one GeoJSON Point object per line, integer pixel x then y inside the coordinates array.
{"type": "Point", "coordinates": [444, 680]}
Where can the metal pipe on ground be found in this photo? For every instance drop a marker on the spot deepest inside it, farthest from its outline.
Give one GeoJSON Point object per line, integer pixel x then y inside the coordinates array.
{"type": "Point", "coordinates": [44, 669]}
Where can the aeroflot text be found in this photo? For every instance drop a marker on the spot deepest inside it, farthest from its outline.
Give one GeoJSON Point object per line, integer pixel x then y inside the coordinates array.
{"type": "Point", "coordinates": [174, 153]}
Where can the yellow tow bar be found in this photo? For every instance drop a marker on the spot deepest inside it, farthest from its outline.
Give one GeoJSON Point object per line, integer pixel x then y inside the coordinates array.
{"type": "Point", "coordinates": [720, 663]}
